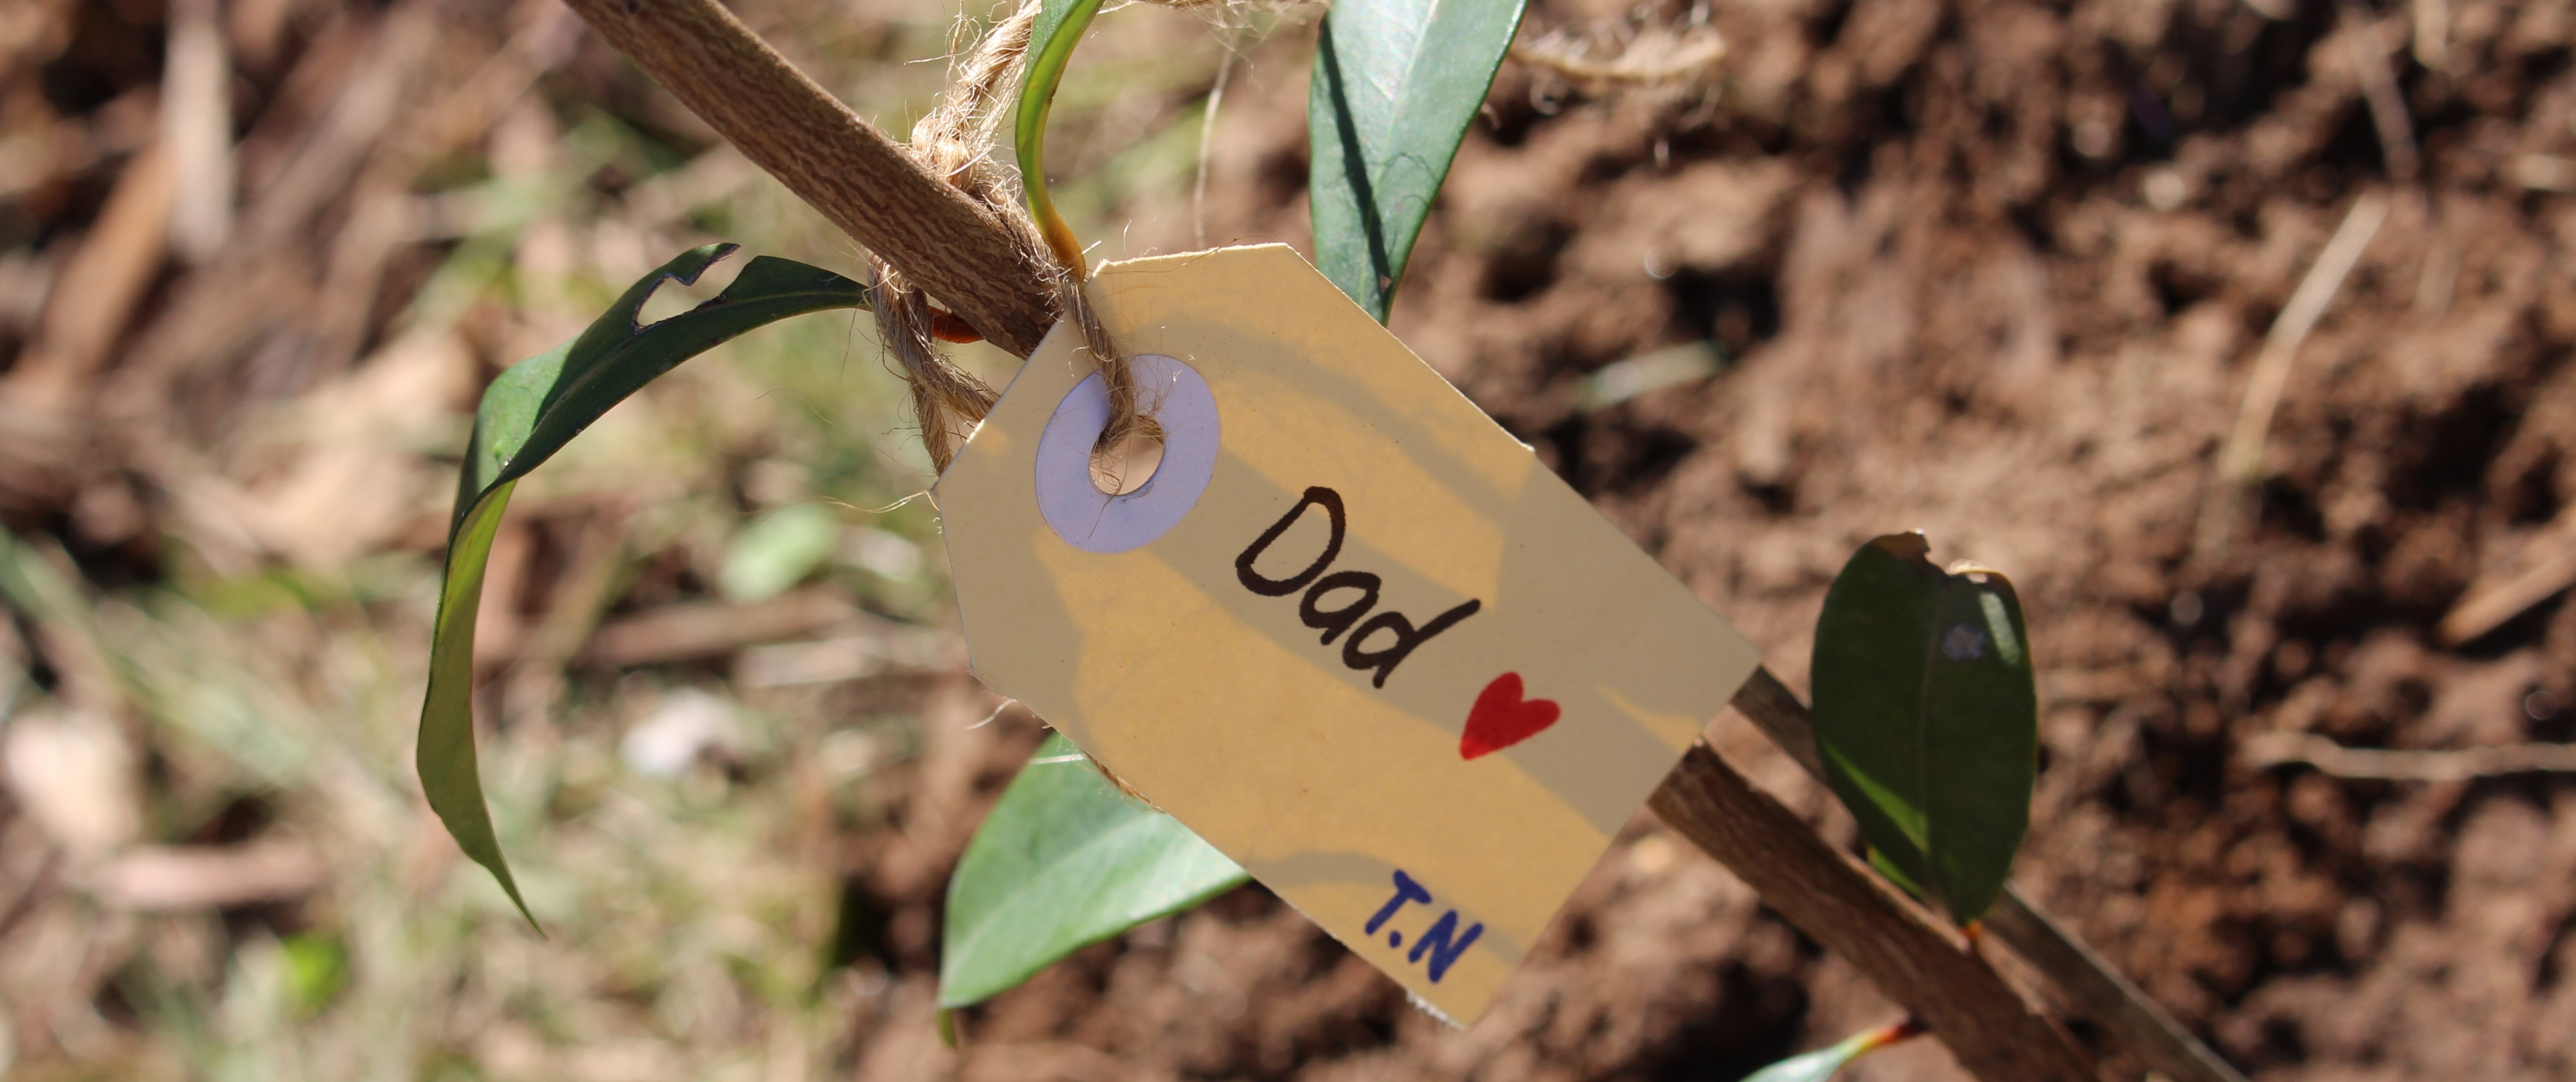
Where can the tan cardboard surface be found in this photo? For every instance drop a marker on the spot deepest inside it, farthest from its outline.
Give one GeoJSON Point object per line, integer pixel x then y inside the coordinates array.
{"type": "Point", "coordinates": [1345, 775]}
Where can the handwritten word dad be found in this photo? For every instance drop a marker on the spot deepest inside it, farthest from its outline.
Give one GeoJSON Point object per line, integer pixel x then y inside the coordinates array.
{"type": "Point", "coordinates": [1398, 628]}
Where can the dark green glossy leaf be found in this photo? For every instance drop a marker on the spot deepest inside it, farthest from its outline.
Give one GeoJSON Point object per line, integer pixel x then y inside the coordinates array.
{"type": "Point", "coordinates": [1396, 83]}
{"type": "Point", "coordinates": [1928, 719]}
{"type": "Point", "coordinates": [527, 415]}
{"type": "Point", "coordinates": [1064, 861]}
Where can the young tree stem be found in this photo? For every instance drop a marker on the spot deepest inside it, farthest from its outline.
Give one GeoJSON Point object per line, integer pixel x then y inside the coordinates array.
{"type": "Point", "coordinates": [1920, 963]}
{"type": "Point", "coordinates": [832, 159]}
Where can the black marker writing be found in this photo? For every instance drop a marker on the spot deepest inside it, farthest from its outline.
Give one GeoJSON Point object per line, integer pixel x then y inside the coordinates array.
{"type": "Point", "coordinates": [1252, 580]}
{"type": "Point", "coordinates": [1399, 634]}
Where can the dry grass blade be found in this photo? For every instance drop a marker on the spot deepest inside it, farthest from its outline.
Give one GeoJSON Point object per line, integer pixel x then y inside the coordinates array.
{"type": "Point", "coordinates": [196, 126]}
{"type": "Point", "coordinates": [684, 632]}
{"type": "Point", "coordinates": [99, 290]}
{"type": "Point", "coordinates": [2241, 461]}
{"type": "Point", "coordinates": [2502, 594]}
{"type": "Point", "coordinates": [181, 878]}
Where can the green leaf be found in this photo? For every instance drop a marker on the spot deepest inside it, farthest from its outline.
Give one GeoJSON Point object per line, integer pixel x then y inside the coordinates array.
{"type": "Point", "coordinates": [1928, 719]}
{"type": "Point", "coordinates": [1816, 1066]}
{"type": "Point", "coordinates": [1819, 1065]}
{"type": "Point", "coordinates": [777, 552]}
{"type": "Point", "coordinates": [1064, 861]}
{"type": "Point", "coordinates": [1396, 83]}
{"type": "Point", "coordinates": [1059, 27]}
{"type": "Point", "coordinates": [527, 415]}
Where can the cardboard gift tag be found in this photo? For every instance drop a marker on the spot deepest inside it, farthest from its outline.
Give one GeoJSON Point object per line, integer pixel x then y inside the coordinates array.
{"type": "Point", "coordinates": [1351, 632]}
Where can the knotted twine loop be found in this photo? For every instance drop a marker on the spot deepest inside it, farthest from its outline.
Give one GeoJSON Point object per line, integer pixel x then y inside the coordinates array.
{"type": "Point", "coordinates": [947, 401]}
{"type": "Point", "coordinates": [955, 142]}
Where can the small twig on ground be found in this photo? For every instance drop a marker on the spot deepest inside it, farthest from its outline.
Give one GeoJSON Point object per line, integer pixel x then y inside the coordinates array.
{"type": "Point", "coordinates": [104, 282]}
{"type": "Point", "coordinates": [2509, 592]}
{"type": "Point", "coordinates": [2275, 749]}
{"type": "Point", "coordinates": [1687, 57]}
{"type": "Point", "coordinates": [2242, 460]}
{"type": "Point", "coordinates": [2379, 89]}
{"type": "Point", "coordinates": [791, 127]}
{"type": "Point", "coordinates": [711, 629]}
{"type": "Point", "coordinates": [196, 127]}
{"type": "Point", "coordinates": [2433, 34]}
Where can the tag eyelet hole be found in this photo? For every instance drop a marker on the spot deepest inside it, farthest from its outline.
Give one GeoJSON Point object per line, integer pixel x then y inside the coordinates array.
{"type": "Point", "coordinates": [1127, 466]}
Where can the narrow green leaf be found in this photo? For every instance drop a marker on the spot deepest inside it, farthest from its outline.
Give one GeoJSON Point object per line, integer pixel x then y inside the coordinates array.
{"type": "Point", "coordinates": [1928, 719]}
{"type": "Point", "coordinates": [1059, 27]}
{"type": "Point", "coordinates": [1064, 861]}
{"type": "Point", "coordinates": [1396, 83]}
{"type": "Point", "coordinates": [527, 415]}
{"type": "Point", "coordinates": [1819, 1065]}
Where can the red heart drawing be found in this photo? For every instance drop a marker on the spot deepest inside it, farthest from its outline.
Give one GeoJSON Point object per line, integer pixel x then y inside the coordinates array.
{"type": "Point", "coordinates": [1502, 718]}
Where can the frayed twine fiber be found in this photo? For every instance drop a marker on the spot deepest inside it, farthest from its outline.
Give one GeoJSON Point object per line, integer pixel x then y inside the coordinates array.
{"type": "Point", "coordinates": [955, 142]}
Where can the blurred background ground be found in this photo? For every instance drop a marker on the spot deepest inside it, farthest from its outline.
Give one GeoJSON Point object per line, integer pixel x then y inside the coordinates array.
{"type": "Point", "coordinates": [1997, 270]}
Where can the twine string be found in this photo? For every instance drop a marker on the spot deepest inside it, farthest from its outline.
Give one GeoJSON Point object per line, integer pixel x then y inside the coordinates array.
{"type": "Point", "coordinates": [955, 142]}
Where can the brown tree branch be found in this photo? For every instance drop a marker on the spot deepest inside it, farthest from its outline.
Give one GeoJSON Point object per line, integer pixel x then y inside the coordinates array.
{"type": "Point", "coordinates": [835, 161]}
{"type": "Point", "coordinates": [2085, 984]}
{"type": "Point", "coordinates": [1919, 963]}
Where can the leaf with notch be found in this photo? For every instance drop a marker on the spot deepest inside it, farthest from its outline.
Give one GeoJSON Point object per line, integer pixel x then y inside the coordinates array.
{"type": "Point", "coordinates": [1928, 718]}
{"type": "Point", "coordinates": [1396, 83]}
{"type": "Point", "coordinates": [1064, 861]}
{"type": "Point", "coordinates": [529, 413]}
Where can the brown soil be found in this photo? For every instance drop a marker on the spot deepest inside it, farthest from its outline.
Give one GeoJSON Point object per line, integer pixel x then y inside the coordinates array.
{"type": "Point", "coordinates": [1996, 271]}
